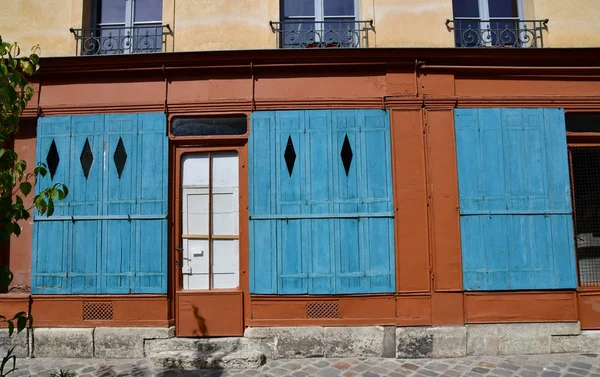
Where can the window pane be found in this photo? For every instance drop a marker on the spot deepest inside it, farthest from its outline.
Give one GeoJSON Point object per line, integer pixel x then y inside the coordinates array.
{"type": "Point", "coordinates": [209, 126]}
{"type": "Point", "coordinates": [112, 11]}
{"type": "Point", "coordinates": [503, 8]}
{"type": "Point", "coordinates": [583, 122]}
{"type": "Point", "coordinates": [466, 8]}
{"type": "Point", "coordinates": [296, 8]}
{"type": "Point", "coordinates": [148, 10]}
{"type": "Point", "coordinates": [339, 7]}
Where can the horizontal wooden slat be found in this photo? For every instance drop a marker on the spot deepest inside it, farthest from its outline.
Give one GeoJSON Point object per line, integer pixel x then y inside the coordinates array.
{"type": "Point", "coordinates": [491, 307]}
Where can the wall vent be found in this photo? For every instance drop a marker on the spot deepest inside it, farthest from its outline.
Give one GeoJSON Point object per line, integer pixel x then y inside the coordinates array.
{"type": "Point", "coordinates": [97, 311]}
{"type": "Point", "coordinates": [323, 309]}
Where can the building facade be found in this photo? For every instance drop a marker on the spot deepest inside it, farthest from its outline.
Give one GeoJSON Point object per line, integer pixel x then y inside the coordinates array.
{"type": "Point", "coordinates": [312, 163]}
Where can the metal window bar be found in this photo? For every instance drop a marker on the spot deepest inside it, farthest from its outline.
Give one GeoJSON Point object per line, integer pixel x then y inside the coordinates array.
{"type": "Point", "coordinates": [585, 178]}
{"type": "Point", "coordinates": [333, 33]}
{"type": "Point", "coordinates": [115, 39]}
{"type": "Point", "coordinates": [498, 32]}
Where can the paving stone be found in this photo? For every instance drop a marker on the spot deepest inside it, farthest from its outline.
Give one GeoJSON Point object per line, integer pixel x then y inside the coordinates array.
{"type": "Point", "coordinates": [550, 374]}
{"type": "Point", "coordinates": [480, 370]}
{"type": "Point", "coordinates": [328, 372]}
{"type": "Point", "coordinates": [580, 365]}
{"type": "Point", "coordinates": [527, 373]}
{"type": "Point", "coordinates": [508, 366]}
{"type": "Point", "coordinates": [581, 372]}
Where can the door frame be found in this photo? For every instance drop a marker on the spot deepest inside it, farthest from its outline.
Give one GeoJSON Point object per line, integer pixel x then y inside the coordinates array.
{"type": "Point", "coordinates": [179, 148]}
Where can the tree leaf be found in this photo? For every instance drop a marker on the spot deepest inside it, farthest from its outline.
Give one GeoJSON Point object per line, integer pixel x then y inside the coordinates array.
{"type": "Point", "coordinates": [11, 328]}
{"type": "Point", "coordinates": [25, 188]}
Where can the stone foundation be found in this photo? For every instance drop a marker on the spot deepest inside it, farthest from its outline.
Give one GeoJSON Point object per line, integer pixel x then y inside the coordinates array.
{"type": "Point", "coordinates": [305, 342]}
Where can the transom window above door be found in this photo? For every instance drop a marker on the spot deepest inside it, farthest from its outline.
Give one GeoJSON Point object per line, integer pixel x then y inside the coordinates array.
{"type": "Point", "coordinates": [320, 23]}
{"type": "Point", "coordinates": [494, 23]}
{"type": "Point", "coordinates": [123, 26]}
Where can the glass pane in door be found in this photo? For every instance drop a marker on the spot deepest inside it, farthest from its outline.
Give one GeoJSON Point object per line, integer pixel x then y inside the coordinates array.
{"type": "Point", "coordinates": [210, 220]}
{"type": "Point", "coordinates": [225, 220]}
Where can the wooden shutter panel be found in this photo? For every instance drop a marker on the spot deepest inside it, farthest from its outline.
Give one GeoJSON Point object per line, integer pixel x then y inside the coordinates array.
{"type": "Point", "coordinates": [85, 199]}
{"type": "Point", "coordinates": [51, 239]}
{"type": "Point", "coordinates": [262, 190]}
{"type": "Point", "coordinates": [325, 239]}
{"type": "Point", "coordinates": [318, 240]}
{"type": "Point", "coordinates": [364, 245]}
{"type": "Point", "coordinates": [120, 194]}
{"type": "Point", "coordinates": [291, 247]}
{"type": "Point", "coordinates": [152, 204]}
{"type": "Point", "coordinates": [516, 227]}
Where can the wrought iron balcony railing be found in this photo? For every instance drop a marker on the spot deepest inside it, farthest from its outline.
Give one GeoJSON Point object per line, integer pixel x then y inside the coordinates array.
{"type": "Point", "coordinates": [322, 34]}
{"type": "Point", "coordinates": [498, 32]}
{"type": "Point", "coordinates": [114, 40]}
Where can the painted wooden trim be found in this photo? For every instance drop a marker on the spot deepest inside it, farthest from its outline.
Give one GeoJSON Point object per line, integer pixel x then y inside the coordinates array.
{"type": "Point", "coordinates": [443, 196]}
{"type": "Point", "coordinates": [514, 307]}
{"type": "Point", "coordinates": [410, 199]}
{"type": "Point", "coordinates": [352, 310]}
{"type": "Point", "coordinates": [588, 301]}
{"type": "Point", "coordinates": [66, 310]}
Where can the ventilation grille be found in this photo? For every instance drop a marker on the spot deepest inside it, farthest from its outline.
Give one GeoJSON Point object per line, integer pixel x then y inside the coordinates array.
{"type": "Point", "coordinates": [323, 309]}
{"type": "Point", "coordinates": [97, 311]}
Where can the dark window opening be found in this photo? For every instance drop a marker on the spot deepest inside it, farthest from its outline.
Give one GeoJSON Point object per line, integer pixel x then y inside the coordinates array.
{"type": "Point", "coordinates": [585, 172]}
{"type": "Point", "coordinates": [583, 122]}
{"type": "Point", "coordinates": [210, 126]}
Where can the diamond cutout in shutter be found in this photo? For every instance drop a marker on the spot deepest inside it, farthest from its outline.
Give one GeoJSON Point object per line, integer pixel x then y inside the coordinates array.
{"type": "Point", "coordinates": [290, 155]}
{"type": "Point", "coordinates": [346, 154]}
{"type": "Point", "coordinates": [120, 157]}
{"type": "Point", "coordinates": [52, 159]}
{"type": "Point", "coordinates": [86, 158]}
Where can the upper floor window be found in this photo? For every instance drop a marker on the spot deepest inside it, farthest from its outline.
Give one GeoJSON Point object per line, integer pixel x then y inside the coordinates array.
{"type": "Point", "coordinates": [320, 23]}
{"type": "Point", "coordinates": [498, 23]}
{"type": "Point", "coordinates": [123, 26]}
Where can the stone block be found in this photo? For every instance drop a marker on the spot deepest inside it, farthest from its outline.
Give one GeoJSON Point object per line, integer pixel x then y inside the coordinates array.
{"type": "Point", "coordinates": [414, 342]}
{"type": "Point", "coordinates": [193, 360]}
{"type": "Point", "coordinates": [227, 345]}
{"type": "Point", "coordinates": [287, 342]}
{"type": "Point", "coordinates": [125, 342]}
{"type": "Point", "coordinates": [483, 340]}
{"type": "Point", "coordinates": [426, 342]}
{"type": "Point", "coordinates": [20, 341]}
{"type": "Point", "coordinates": [586, 341]}
{"type": "Point", "coordinates": [354, 341]}
{"type": "Point", "coordinates": [449, 341]}
{"type": "Point", "coordinates": [524, 338]}
{"type": "Point", "coordinates": [63, 342]}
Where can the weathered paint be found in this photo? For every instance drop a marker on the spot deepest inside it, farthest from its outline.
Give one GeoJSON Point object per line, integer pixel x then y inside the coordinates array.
{"type": "Point", "coordinates": [306, 222]}
{"type": "Point", "coordinates": [515, 205]}
{"type": "Point", "coordinates": [229, 91]}
{"type": "Point", "coordinates": [104, 254]}
{"type": "Point", "coordinates": [221, 26]}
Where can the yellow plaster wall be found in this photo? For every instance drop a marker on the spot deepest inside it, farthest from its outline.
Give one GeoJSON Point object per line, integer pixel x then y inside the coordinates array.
{"type": "Point", "coordinates": [244, 24]}
{"type": "Point", "coordinates": [224, 24]}
{"type": "Point", "coordinates": [409, 23]}
{"type": "Point", "coordinates": [573, 23]}
{"type": "Point", "coordinates": [43, 22]}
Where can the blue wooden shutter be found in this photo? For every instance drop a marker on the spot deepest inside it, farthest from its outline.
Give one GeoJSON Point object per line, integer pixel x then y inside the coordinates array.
{"type": "Point", "coordinates": [118, 236]}
{"type": "Point", "coordinates": [515, 207]}
{"type": "Point", "coordinates": [290, 199]}
{"type": "Point", "coordinates": [314, 227]}
{"type": "Point", "coordinates": [318, 240]}
{"type": "Point", "coordinates": [262, 191]}
{"type": "Point", "coordinates": [152, 204]}
{"type": "Point", "coordinates": [364, 244]}
{"type": "Point", "coordinates": [85, 199]}
{"type": "Point", "coordinates": [51, 239]}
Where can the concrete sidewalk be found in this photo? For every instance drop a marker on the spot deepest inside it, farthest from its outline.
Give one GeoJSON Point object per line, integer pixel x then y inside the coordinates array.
{"type": "Point", "coordinates": [554, 365]}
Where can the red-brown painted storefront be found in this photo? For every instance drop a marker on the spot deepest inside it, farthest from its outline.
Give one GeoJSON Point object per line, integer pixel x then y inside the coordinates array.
{"type": "Point", "coordinates": [420, 87]}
